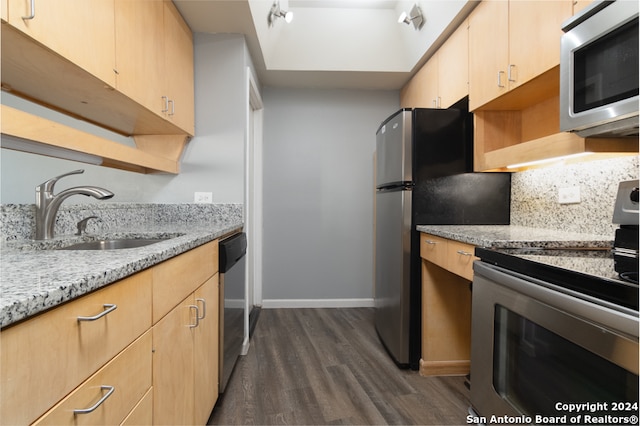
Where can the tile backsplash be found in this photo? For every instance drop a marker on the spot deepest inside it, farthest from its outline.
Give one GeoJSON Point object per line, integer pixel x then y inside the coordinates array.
{"type": "Point", "coordinates": [17, 221]}
{"type": "Point", "coordinates": [534, 203]}
{"type": "Point", "coordinates": [534, 195]}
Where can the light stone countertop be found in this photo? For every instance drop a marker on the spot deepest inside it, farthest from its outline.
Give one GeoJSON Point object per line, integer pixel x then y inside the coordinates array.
{"type": "Point", "coordinates": [34, 278]}
{"type": "Point", "coordinates": [509, 236]}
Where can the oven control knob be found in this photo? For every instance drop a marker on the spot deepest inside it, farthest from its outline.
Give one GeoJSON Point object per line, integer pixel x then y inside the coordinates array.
{"type": "Point", "coordinates": [634, 195]}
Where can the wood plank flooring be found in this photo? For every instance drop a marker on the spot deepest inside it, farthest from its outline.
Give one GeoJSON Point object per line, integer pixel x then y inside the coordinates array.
{"type": "Point", "coordinates": [328, 367]}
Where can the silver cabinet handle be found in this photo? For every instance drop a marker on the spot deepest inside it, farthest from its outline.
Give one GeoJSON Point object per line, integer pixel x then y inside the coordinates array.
{"type": "Point", "coordinates": [197, 316]}
{"type": "Point", "coordinates": [204, 308]}
{"type": "Point", "coordinates": [500, 78]}
{"type": "Point", "coordinates": [430, 242]}
{"type": "Point", "coordinates": [511, 66]}
{"type": "Point", "coordinates": [97, 404]}
{"type": "Point", "coordinates": [439, 103]}
{"type": "Point", "coordinates": [173, 107]}
{"type": "Point", "coordinates": [166, 104]}
{"type": "Point", "coordinates": [108, 308]}
{"type": "Point", "coordinates": [463, 253]}
{"type": "Point", "coordinates": [32, 8]}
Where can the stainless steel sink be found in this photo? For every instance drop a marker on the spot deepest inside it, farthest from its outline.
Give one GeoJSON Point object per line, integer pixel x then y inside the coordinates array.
{"type": "Point", "coordinates": [116, 244]}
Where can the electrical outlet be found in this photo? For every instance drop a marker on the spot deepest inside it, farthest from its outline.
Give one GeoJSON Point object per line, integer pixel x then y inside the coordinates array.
{"type": "Point", "coordinates": [569, 195]}
{"type": "Point", "coordinates": [203, 197]}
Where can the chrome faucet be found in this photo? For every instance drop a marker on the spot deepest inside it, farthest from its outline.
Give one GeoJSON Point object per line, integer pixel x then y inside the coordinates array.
{"type": "Point", "coordinates": [47, 204]}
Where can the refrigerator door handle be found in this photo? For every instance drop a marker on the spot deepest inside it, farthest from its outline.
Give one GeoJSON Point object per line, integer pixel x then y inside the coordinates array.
{"type": "Point", "coordinates": [395, 186]}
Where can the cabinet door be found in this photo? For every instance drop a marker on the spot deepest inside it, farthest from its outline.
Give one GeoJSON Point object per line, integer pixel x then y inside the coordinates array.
{"type": "Point", "coordinates": [80, 31]}
{"type": "Point", "coordinates": [173, 367]}
{"type": "Point", "coordinates": [140, 52]}
{"type": "Point", "coordinates": [422, 90]}
{"type": "Point", "coordinates": [534, 37]}
{"type": "Point", "coordinates": [453, 67]}
{"type": "Point", "coordinates": [206, 350]}
{"type": "Point", "coordinates": [488, 51]}
{"type": "Point", "coordinates": [178, 53]}
{"type": "Point", "coordinates": [578, 5]}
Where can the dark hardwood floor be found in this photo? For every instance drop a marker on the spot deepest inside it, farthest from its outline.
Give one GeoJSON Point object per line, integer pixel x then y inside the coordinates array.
{"type": "Point", "coordinates": [327, 366]}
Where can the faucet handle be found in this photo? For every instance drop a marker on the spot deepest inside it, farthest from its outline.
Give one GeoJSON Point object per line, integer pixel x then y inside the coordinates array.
{"type": "Point", "coordinates": [47, 186]}
{"type": "Point", "coordinates": [82, 225]}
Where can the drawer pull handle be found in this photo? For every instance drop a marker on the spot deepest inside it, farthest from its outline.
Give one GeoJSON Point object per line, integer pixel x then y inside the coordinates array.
{"type": "Point", "coordinates": [430, 242]}
{"type": "Point", "coordinates": [204, 308]}
{"type": "Point", "coordinates": [108, 308]}
{"type": "Point", "coordinates": [197, 316]}
{"type": "Point", "coordinates": [463, 253]}
{"type": "Point", "coordinates": [95, 406]}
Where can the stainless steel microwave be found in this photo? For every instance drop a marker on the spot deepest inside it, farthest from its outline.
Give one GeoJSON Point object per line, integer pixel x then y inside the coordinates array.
{"type": "Point", "coordinates": [599, 71]}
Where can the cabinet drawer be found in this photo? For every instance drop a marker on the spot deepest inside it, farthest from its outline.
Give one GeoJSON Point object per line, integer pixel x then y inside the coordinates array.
{"type": "Point", "coordinates": [128, 375]}
{"type": "Point", "coordinates": [46, 357]}
{"type": "Point", "coordinates": [461, 259]}
{"type": "Point", "coordinates": [142, 414]}
{"type": "Point", "coordinates": [434, 249]}
{"type": "Point", "coordinates": [176, 278]}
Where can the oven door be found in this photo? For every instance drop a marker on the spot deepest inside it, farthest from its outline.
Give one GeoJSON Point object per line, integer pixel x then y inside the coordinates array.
{"type": "Point", "coordinates": [536, 348]}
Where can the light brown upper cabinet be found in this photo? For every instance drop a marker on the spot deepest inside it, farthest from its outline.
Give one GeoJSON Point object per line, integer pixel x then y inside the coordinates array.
{"type": "Point", "coordinates": [178, 69]}
{"type": "Point", "coordinates": [124, 65]}
{"type": "Point", "coordinates": [80, 31]}
{"type": "Point", "coordinates": [578, 5]}
{"type": "Point", "coordinates": [140, 52]}
{"type": "Point", "coordinates": [512, 42]}
{"type": "Point", "coordinates": [453, 67]}
{"type": "Point", "coordinates": [443, 80]}
{"type": "Point", "coordinates": [154, 59]}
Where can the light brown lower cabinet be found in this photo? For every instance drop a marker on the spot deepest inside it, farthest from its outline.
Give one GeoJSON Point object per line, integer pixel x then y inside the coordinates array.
{"type": "Point", "coordinates": [185, 366]}
{"type": "Point", "coordinates": [102, 359]}
{"type": "Point", "coordinates": [447, 270]}
{"type": "Point", "coordinates": [109, 395]}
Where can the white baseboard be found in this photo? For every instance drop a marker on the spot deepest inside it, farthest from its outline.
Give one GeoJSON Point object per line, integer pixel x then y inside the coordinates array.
{"type": "Point", "coordinates": [317, 303]}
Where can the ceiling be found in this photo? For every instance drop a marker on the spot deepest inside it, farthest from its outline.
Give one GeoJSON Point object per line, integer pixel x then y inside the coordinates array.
{"type": "Point", "coordinates": [354, 44]}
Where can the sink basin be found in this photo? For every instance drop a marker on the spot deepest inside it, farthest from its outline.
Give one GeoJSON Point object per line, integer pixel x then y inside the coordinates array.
{"type": "Point", "coordinates": [124, 243]}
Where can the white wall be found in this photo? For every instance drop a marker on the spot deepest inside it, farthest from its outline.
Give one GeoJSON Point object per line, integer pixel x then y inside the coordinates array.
{"type": "Point", "coordinates": [213, 160]}
{"type": "Point", "coordinates": [318, 194]}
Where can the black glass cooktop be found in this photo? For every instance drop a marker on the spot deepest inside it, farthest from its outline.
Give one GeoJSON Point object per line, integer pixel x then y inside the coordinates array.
{"type": "Point", "coordinates": [587, 271]}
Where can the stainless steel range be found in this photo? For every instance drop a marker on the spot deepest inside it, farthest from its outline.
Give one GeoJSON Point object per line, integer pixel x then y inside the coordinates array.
{"type": "Point", "coordinates": [555, 332]}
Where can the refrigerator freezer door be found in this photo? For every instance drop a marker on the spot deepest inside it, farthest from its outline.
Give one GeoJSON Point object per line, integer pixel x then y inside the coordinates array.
{"type": "Point", "coordinates": [393, 259]}
{"type": "Point", "coordinates": [393, 148]}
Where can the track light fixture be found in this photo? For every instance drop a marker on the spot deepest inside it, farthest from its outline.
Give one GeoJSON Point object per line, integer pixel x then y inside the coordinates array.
{"type": "Point", "coordinates": [276, 13]}
{"type": "Point", "coordinates": [415, 17]}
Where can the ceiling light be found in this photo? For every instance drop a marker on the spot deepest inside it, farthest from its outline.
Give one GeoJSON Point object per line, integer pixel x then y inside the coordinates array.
{"type": "Point", "coordinates": [415, 17]}
{"type": "Point", "coordinates": [276, 13]}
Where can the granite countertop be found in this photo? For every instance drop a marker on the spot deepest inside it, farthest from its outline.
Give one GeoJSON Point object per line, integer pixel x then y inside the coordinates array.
{"type": "Point", "coordinates": [510, 236]}
{"type": "Point", "coordinates": [34, 277]}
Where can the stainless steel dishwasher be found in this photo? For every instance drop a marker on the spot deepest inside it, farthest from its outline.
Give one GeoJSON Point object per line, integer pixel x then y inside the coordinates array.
{"type": "Point", "coordinates": [232, 261]}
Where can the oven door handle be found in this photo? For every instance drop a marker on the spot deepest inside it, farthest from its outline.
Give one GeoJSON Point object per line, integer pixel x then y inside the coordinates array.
{"type": "Point", "coordinates": [594, 310]}
{"type": "Point", "coordinates": [570, 317]}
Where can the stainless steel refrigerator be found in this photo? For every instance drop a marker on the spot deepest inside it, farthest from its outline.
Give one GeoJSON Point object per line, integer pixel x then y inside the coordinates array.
{"type": "Point", "coordinates": [424, 159]}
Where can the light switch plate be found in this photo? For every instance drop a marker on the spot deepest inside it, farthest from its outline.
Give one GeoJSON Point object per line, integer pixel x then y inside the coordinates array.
{"type": "Point", "coordinates": [203, 197]}
{"type": "Point", "coordinates": [569, 195]}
